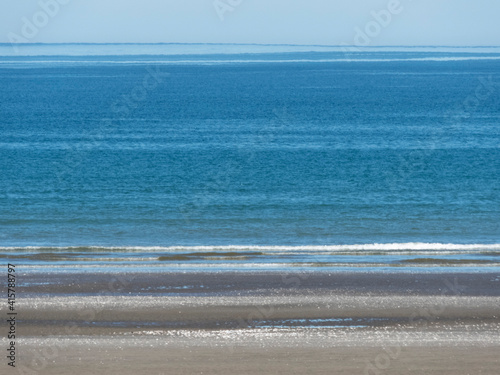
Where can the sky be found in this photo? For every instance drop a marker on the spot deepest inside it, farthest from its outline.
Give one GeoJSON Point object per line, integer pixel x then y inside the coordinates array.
{"type": "Point", "coordinates": [325, 22]}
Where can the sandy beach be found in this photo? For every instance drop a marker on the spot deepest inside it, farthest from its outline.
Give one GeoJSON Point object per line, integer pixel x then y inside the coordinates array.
{"type": "Point", "coordinates": [268, 323]}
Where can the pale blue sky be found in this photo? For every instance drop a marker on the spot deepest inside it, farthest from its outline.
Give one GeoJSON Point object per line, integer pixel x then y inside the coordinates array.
{"type": "Point", "coordinates": [331, 22]}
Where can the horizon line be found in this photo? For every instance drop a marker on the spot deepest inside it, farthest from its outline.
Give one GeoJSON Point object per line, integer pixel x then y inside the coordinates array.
{"type": "Point", "coordinates": [252, 44]}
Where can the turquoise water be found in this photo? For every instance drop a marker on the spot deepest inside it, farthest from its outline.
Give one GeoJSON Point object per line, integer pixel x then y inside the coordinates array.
{"type": "Point", "coordinates": [206, 145]}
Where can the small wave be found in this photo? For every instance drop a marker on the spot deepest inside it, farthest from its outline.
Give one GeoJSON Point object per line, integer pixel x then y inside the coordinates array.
{"type": "Point", "coordinates": [231, 255]}
{"type": "Point", "coordinates": [242, 61]}
{"type": "Point", "coordinates": [215, 250]}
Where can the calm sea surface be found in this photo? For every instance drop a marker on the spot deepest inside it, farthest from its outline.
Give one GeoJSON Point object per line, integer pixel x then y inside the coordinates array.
{"type": "Point", "coordinates": [129, 154]}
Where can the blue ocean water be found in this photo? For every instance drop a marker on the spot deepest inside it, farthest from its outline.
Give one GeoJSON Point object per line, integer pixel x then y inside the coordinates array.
{"type": "Point", "coordinates": [196, 145]}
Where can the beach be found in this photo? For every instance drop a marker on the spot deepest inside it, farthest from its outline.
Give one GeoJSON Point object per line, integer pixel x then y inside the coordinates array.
{"type": "Point", "coordinates": [345, 323]}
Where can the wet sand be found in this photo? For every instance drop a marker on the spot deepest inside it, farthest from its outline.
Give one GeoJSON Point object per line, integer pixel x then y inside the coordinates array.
{"type": "Point", "coordinates": [227, 323]}
{"type": "Point", "coordinates": [264, 283]}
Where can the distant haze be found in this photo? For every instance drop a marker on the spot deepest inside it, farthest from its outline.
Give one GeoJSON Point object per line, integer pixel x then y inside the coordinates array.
{"type": "Point", "coordinates": [327, 22]}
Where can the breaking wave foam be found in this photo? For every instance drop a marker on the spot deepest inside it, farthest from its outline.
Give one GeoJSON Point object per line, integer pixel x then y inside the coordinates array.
{"type": "Point", "coordinates": [415, 246]}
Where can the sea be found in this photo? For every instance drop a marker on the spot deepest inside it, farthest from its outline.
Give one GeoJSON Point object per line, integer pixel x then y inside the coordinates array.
{"type": "Point", "coordinates": [159, 157]}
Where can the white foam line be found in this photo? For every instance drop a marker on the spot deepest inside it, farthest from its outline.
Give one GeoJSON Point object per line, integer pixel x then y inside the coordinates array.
{"type": "Point", "coordinates": [219, 62]}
